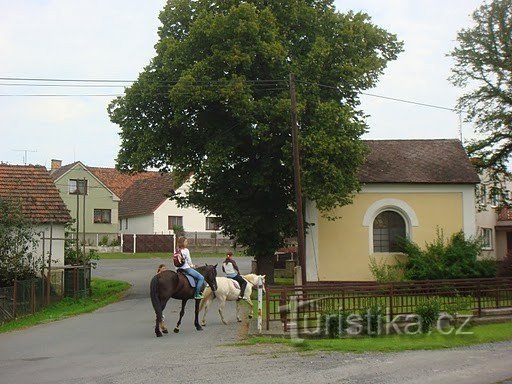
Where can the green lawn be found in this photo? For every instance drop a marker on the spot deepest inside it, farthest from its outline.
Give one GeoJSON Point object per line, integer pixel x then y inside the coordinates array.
{"type": "Point", "coordinates": [104, 292]}
{"type": "Point", "coordinates": [394, 343]}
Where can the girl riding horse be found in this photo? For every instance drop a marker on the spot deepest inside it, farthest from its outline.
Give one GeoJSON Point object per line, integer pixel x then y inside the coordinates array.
{"type": "Point", "coordinates": [167, 284]}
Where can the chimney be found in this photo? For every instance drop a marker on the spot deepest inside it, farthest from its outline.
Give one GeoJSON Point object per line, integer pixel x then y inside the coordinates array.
{"type": "Point", "coordinates": [56, 164]}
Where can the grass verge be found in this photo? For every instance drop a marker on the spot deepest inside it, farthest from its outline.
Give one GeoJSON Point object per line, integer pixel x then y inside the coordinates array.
{"type": "Point", "coordinates": [394, 343]}
{"type": "Point", "coordinates": [104, 292]}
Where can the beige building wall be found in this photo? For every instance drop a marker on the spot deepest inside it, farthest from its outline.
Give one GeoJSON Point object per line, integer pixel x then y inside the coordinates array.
{"type": "Point", "coordinates": [341, 249]}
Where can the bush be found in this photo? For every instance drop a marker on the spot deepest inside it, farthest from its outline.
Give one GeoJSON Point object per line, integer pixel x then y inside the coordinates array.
{"type": "Point", "coordinates": [103, 241]}
{"type": "Point", "coordinates": [456, 258]}
{"type": "Point", "coordinates": [373, 318]}
{"type": "Point", "coordinates": [333, 323]}
{"type": "Point", "coordinates": [17, 241]}
{"type": "Point", "coordinates": [72, 256]}
{"type": "Point", "coordinates": [385, 273]}
{"type": "Point", "coordinates": [428, 311]}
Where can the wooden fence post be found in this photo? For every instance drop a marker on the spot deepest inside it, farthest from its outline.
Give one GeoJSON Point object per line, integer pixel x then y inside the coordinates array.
{"type": "Point", "coordinates": [391, 295]}
{"type": "Point", "coordinates": [282, 310]}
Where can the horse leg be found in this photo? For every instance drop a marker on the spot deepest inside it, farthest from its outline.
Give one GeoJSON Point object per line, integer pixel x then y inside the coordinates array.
{"type": "Point", "coordinates": [163, 326]}
{"type": "Point", "coordinates": [205, 304]}
{"type": "Point", "coordinates": [196, 317]}
{"type": "Point", "coordinates": [182, 312]}
{"type": "Point", "coordinates": [251, 305]}
{"type": "Point", "coordinates": [222, 303]}
{"type": "Point", "coordinates": [238, 318]}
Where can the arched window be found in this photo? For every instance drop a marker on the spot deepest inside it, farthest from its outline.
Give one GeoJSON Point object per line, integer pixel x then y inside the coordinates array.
{"type": "Point", "coordinates": [387, 226]}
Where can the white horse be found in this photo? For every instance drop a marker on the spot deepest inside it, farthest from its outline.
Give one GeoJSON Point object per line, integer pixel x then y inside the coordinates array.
{"type": "Point", "coordinates": [226, 290]}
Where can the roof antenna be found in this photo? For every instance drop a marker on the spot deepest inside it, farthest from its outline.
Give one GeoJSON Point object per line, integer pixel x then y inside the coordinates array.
{"type": "Point", "coordinates": [25, 154]}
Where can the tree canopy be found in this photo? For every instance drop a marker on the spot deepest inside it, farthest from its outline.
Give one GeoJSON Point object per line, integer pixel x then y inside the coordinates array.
{"type": "Point", "coordinates": [214, 102]}
{"type": "Point", "coordinates": [483, 66]}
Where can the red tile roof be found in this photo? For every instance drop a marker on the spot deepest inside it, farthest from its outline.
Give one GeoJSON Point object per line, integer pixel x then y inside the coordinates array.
{"type": "Point", "coordinates": [417, 161]}
{"type": "Point", "coordinates": [145, 195]}
{"type": "Point", "coordinates": [33, 186]}
{"type": "Point", "coordinates": [117, 181]}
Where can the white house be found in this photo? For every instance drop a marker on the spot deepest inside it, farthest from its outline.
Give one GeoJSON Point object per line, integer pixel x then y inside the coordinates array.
{"type": "Point", "coordinates": [32, 187]}
{"type": "Point", "coordinates": [146, 208]}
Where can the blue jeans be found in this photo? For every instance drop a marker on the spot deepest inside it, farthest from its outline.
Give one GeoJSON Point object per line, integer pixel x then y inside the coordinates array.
{"type": "Point", "coordinates": [197, 277]}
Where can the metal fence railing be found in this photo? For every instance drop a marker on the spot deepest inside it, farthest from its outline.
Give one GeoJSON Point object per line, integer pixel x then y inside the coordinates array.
{"type": "Point", "coordinates": [306, 303]}
{"type": "Point", "coordinates": [29, 296]}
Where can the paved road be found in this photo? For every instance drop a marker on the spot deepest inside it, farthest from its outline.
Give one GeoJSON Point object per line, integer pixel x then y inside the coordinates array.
{"type": "Point", "coordinates": [117, 345]}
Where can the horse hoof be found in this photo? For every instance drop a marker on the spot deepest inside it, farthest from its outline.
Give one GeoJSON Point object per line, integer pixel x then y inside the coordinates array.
{"type": "Point", "coordinates": [239, 320]}
{"type": "Point", "coordinates": [250, 316]}
{"type": "Point", "coordinates": [158, 334]}
{"type": "Point", "coordinates": [199, 328]}
{"type": "Point", "coordinates": [203, 323]}
{"type": "Point", "coordinates": [165, 331]}
{"type": "Point", "coordinates": [176, 330]}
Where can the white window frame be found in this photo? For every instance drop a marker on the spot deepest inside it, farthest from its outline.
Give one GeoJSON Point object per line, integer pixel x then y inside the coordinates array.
{"type": "Point", "coordinates": [487, 237]}
{"type": "Point", "coordinates": [396, 205]}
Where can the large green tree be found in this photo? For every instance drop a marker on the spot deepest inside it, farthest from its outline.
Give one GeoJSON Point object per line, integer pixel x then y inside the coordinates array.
{"type": "Point", "coordinates": [214, 102]}
{"type": "Point", "coordinates": [483, 66]}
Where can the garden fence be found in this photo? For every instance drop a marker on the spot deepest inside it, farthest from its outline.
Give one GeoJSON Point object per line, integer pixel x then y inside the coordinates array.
{"type": "Point", "coordinates": [26, 297]}
{"type": "Point", "coordinates": [305, 304]}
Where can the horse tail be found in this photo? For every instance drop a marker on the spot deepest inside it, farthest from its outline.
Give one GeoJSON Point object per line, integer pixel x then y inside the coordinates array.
{"type": "Point", "coordinates": [155, 299]}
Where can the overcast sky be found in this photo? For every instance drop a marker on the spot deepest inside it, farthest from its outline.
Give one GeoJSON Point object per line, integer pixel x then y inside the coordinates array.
{"type": "Point", "coordinates": [114, 39]}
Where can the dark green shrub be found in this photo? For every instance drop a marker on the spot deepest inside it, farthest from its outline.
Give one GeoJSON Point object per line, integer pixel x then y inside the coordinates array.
{"type": "Point", "coordinates": [333, 323]}
{"type": "Point", "coordinates": [372, 320]}
{"type": "Point", "coordinates": [428, 312]}
{"type": "Point", "coordinates": [456, 258]}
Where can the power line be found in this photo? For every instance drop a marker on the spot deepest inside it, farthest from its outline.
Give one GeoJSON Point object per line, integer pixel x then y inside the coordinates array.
{"type": "Point", "coordinates": [257, 84]}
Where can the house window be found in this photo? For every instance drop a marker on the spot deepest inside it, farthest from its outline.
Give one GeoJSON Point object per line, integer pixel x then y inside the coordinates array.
{"type": "Point", "coordinates": [126, 223]}
{"type": "Point", "coordinates": [102, 216]}
{"type": "Point", "coordinates": [487, 238]}
{"type": "Point", "coordinates": [77, 187]}
{"type": "Point", "coordinates": [495, 197]}
{"type": "Point", "coordinates": [387, 227]}
{"type": "Point", "coordinates": [174, 221]}
{"type": "Point", "coordinates": [212, 223]}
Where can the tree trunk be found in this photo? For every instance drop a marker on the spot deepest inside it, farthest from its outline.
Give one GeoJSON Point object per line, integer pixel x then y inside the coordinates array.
{"type": "Point", "coordinates": [265, 266]}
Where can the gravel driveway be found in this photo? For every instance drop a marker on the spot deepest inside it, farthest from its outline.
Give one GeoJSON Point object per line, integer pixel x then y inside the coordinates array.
{"type": "Point", "coordinates": [116, 344]}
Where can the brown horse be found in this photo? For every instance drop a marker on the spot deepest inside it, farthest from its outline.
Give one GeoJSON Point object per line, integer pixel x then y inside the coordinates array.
{"type": "Point", "coordinates": [167, 284]}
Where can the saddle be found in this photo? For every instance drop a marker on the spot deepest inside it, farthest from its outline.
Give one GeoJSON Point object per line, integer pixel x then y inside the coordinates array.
{"type": "Point", "coordinates": [235, 283]}
{"type": "Point", "coordinates": [190, 279]}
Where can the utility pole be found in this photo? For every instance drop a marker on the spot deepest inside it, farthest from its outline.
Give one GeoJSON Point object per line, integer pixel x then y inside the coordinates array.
{"type": "Point", "coordinates": [77, 220]}
{"type": "Point", "coordinates": [296, 179]}
{"type": "Point", "coordinates": [83, 225]}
